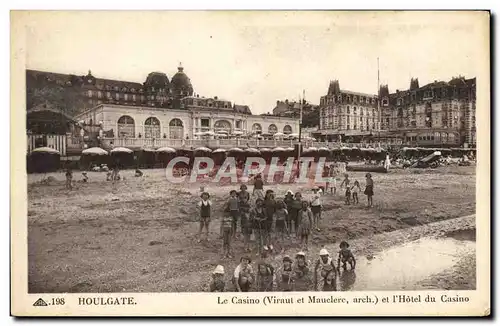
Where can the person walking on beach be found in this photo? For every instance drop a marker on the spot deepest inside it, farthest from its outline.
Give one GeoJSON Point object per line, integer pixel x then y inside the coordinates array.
{"type": "Point", "coordinates": [369, 189]}
{"type": "Point", "coordinates": [355, 189]}
{"type": "Point", "coordinates": [205, 208]}
{"type": "Point", "coordinates": [305, 224]}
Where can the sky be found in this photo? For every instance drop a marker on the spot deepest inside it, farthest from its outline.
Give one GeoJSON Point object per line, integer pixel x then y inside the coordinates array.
{"type": "Point", "coordinates": [257, 58]}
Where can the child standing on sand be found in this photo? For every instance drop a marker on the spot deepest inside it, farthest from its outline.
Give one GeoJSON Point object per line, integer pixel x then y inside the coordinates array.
{"type": "Point", "coordinates": [246, 225]}
{"type": "Point", "coordinates": [355, 189]}
{"type": "Point", "coordinates": [227, 232]}
{"type": "Point", "coordinates": [69, 178]}
{"type": "Point", "coordinates": [305, 222]}
{"type": "Point", "coordinates": [205, 208]}
{"type": "Point", "coordinates": [346, 181]}
{"type": "Point", "coordinates": [316, 207]}
{"type": "Point", "coordinates": [233, 207]}
{"type": "Point", "coordinates": [369, 189]}
{"type": "Point", "coordinates": [281, 220]}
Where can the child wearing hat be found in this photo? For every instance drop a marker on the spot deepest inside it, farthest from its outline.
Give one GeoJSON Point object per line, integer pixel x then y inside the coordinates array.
{"type": "Point", "coordinates": [345, 256]}
{"type": "Point", "coordinates": [324, 265]}
{"type": "Point", "coordinates": [205, 208]}
{"type": "Point", "coordinates": [301, 274]}
{"type": "Point", "coordinates": [285, 275]}
{"type": "Point", "coordinates": [369, 189]}
{"type": "Point", "coordinates": [217, 284]}
{"type": "Point", "coordinates": [243, 275]}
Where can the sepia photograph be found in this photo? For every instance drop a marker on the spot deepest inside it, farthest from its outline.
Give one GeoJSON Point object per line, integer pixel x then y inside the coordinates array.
{"type": "Point", "coordinates": [252, 151]}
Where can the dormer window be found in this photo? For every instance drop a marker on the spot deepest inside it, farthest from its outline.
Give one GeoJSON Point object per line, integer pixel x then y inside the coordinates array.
{"type": "Point", "coordinates": [385, 102]}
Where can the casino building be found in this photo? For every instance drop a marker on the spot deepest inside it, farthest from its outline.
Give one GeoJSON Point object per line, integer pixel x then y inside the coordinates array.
{"type": "Point", "coordinates": [134, 114]}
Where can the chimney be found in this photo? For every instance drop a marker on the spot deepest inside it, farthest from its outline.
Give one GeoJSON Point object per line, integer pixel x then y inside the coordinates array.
{"type": "Point", "coordinates": [215, 97]}
{"type": "Point", "coordinates": [286, 101]}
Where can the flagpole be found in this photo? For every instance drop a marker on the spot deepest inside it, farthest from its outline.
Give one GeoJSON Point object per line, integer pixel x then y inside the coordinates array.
{"type": "Point", "coordinates": [299, 148]}
{"type": "Point", "coordinates": [378, 101]}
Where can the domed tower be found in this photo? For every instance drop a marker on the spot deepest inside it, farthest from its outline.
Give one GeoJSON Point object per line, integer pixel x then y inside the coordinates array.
{"type": "Point", "coordinates": [181, 84]}
{"type": "Point", "coordinates": [157, 89]}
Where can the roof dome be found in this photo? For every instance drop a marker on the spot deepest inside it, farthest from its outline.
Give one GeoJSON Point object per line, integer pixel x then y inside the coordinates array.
{"type": "Point", "coordinates": [157, 79]}
{"type": "Point", "coordinates": [181, 84]}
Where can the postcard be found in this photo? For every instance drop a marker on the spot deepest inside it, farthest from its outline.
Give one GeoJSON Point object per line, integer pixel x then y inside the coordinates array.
{"type": "Point", "coordinates": [250, 163]}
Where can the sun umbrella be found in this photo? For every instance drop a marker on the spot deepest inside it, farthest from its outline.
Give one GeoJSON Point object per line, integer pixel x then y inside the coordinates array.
{"type": "Point", "coordinates": [279, 134]}
{"type": "Point", "coordinates": [323, 149]}
{"type": "Point", "coordinates": [94, 151]}
{"type": "Point", "coordinates": [166, 150]}
{"type": "Point", "coordinates": [278, 149]}
{"type": "Point", "coordinates": [121, 150]}
{"type": "Point", "coordinates": [47, 150]}
{"type": "Point", "coordinates": [252, 150]}
{"type": "Point", "coordinates": [219, 150]}
{"type": "Point", "coordinates": [310, 149]}
{"type": "Point", "coordinates": [265, 150]}
{"type": "Point", "coordinates": [203, 149]}
{"type": "Point", "coordinates": [236, 149]}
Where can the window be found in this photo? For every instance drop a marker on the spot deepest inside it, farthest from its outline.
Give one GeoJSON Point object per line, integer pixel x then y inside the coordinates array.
{"type": "Point", "coordinates": [142, 98]}
{"type": "Point", "coordinates": [152, 128]}
{"type": "Point", "coordinates": [126, 97]}
{"type": "Point", "coordinates": [176, 129]}
{"type": "Point", "coordinates": [348, 109]}
{"type": "Point", "coordinates": [116, 88]}
{"type": "Point", "coordinates": [133, 97]}
{"type": "Point", "coordinates": [108, 94]}
{"type": "Point", "coordinates": [117, 96]}
{"type": "Point", "coordinates": [126, 126]}
{"type": "Point", "coordinates": [348, 127]}
{"type": "Point", "coordinates": [132, 90]}
{"type": "Point", "coordinates": [238, 124]}
{"type": "Point", "coordinates": [205, 122]}
{"type": "Point", "coordinates": [99, 94]}
{"type": "Point", "coordinates": [385, 102]}
{"type": "Point", "coordinates": [89, 93]}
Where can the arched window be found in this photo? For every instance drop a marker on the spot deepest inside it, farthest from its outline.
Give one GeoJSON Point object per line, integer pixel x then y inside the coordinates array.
{"type": "Point", "coordinates": [257, 128]}
{"type": "Point", "coordinates": [176, 129]}
{"type": "Point", "coordinates": [152, 128]}
{"type": "Point", "coordinates": [222, 125]}
{"type": "Point", "coordinates": [287, 129]}
{"type": "Point", "coordinates": [126, 126]}
{"type": "Point", "coordinates": [272, 129]}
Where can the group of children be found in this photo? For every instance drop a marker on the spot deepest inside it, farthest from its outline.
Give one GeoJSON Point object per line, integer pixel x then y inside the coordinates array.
{"type": "Point", "coordinates": [352, 191]}
{"type": "Point", "coordinates": [270, 220]}
{"type": "Point", "coordinates": [290, 276]}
